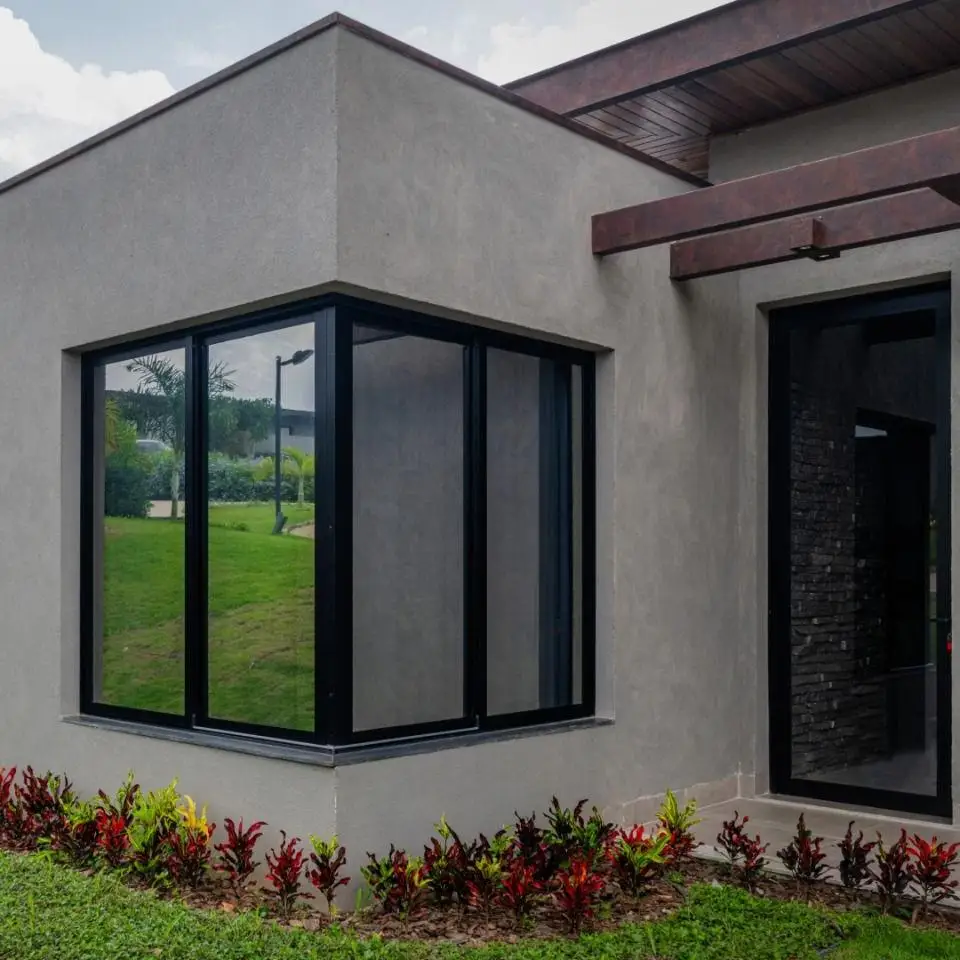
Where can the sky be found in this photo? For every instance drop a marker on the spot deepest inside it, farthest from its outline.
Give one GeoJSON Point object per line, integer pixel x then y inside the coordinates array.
{"type": "Point", "coordinates": [70, 68]}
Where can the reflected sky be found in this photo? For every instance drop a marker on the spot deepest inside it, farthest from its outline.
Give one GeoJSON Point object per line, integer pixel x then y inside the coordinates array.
{"type": "Point", "coordinates": [253, 362]}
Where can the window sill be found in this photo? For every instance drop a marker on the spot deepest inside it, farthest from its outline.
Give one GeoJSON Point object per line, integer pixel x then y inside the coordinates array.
{"type": "Point", "coordinates": [323, 756]}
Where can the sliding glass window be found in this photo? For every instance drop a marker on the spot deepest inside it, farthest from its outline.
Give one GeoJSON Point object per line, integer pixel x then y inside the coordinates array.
{"type": "Point", "coordinates": [338, 524]}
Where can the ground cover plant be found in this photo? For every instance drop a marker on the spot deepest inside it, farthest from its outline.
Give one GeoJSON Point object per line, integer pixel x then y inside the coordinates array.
{"type": "Point", "coordinates": [532, 889]}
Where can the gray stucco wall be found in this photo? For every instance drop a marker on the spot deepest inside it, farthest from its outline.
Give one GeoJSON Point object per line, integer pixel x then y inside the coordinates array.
{"type": "Point", "coordinates": [342, 163]}
{"type": "Point", "coordinates": [226, 200]}
{"type": "Point", "coordinates": [454, 201]}
{"type": "Point", "coordinates": [902, 112]}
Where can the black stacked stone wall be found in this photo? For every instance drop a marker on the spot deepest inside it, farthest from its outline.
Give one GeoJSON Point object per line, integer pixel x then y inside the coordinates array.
{"type": "Point", "coordinates": [837, 596]}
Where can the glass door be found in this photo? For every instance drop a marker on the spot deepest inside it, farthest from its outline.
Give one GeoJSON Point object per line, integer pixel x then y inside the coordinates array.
{"type": "Point", "coordinates": [860, 552]}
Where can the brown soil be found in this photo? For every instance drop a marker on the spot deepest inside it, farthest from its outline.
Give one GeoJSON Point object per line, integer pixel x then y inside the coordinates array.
{"type": "Point", "coordinates": [468, 927]}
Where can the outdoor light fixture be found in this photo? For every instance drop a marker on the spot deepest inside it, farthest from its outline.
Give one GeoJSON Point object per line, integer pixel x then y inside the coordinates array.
{"type": "Point", "coordinates": [299, 357]}
{"type": "Point", "coordinates": [813, 246]}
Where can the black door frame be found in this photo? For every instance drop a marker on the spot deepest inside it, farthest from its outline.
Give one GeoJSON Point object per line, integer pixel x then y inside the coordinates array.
{"type": "Point", "coordinates": [921, 305]}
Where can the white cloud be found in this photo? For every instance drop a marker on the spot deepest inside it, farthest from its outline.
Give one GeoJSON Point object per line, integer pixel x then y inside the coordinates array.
{"type": "Point", "coordinates": [519, 47]}
{"type": "Point", "coordinates": [47, 104]}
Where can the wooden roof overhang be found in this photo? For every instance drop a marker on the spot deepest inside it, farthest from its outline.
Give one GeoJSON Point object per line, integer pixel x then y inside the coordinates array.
{"type": "Point", "coordinates": [814, 210]}
{"type": "Point", "coordinates": [668, 93]}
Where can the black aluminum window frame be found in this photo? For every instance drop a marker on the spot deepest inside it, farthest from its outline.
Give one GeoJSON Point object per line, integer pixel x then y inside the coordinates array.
{"type": "Point", "coordinates": [335, 318]}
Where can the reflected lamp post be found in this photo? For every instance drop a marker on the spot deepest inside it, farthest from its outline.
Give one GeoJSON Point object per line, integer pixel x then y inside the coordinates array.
{"type": "Point", "coordinates": [299, 357]}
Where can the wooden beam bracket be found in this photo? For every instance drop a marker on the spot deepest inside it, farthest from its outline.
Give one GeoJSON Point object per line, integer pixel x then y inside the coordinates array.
{"type": "Point", "coordinates": [930, 160]}
{"type": "Point", "coordinates": [824, 237]}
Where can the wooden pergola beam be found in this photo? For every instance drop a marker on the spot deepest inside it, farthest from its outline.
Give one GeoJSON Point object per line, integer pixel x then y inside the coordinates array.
{"type": "Point", "coordinates": [905, 215]}
{"type": "Point", "coordinates": [731, 33]}
{"type": "Point", "coordinates": [925, 161]}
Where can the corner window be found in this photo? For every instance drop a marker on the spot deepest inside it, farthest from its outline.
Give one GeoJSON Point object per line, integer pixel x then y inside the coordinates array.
{"type": "Point", "coordinates": [338, 524]}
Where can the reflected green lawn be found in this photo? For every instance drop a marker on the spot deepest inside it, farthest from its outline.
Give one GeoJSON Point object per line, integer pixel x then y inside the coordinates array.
{"type": "Point", "coordinates": [261, 624]}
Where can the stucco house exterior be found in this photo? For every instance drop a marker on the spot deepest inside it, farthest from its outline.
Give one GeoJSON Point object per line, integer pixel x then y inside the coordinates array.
{"type": "Point", "coordinates": [596, 513]}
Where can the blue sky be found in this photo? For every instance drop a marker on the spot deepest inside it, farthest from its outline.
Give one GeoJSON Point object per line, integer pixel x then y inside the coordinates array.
{"type": "Point", "coordinates": [69, 68]}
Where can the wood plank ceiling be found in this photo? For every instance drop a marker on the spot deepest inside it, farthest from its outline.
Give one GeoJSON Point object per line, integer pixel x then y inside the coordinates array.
{"type": "Point", "coordinates": [674, 123]}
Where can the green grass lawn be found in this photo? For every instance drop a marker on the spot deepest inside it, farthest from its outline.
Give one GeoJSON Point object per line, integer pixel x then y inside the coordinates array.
{"type": "Point", "coordinates": [48, 911]}
{"type": "Point", "coordinates": [260, 628]}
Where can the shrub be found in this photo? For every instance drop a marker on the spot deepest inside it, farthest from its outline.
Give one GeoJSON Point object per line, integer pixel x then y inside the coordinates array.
{"type": "Point", "coordinates": [890, 872]}
{"type": "Point", "coordinates": [731, 839]}
{"type": "Point", "coordinates": [578, 891]}
{"type": "Point", "coordinates": [444, 863]}
{"type": "Point", "coordinates": [855, 859]}
{"type": "Point", "coordinates": [77, 841]}
{"type": "Point", "coordinates": [236, 854]}
{"type": "Point", "coordinates": [38, 808]}
{"type": "Point", "coordinates": [113, 843]}
{"type": "Point", "coordinates": [678, 823]}
{"type": "Point", "coordinates": [399, 883]}
{"type": "Point", "coordinates": [328, 859]}
{"type": "Point", "coordinates": [803, 856]}
{"type": "Point", "coordinates": [7, 777]}
{"type": "Point", "coordinates": [126, 488]}
{"type": "Point", "coordinates": [519, 889]}
{"type": "Point", "coordinates": [122, 802]}
{"type": "Point", "coordinates": [284, 870]}
{"type": "Point", "coordinates": [486, 881]}
{"type": "Point", "coordinates": [154, 819]}
{"type": "Point", "coordinates": [189, 857]}
{"type": "Point", "coordinates": [569, 834]}
{"type": "Point", "coordinates": [753, 861]}
{"type": "Point", "coordinates": [637, 859]}
{"type": "Point", "coordinates": [931, 869]}
{"type": "Point", "coordinates": [745, 855]}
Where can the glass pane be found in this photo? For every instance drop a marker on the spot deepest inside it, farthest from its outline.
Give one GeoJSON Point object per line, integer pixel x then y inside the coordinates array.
{"type": "Point", "coordinates": [261, 559]}
{"type": "Point", "coordinates": [408, 449]}
{"type": "Point", "coordinates": [534, 533]}
{"type": "Point", "coordinates": [863, 426]}
{"type": "Point", "coordinates": [138, 604]}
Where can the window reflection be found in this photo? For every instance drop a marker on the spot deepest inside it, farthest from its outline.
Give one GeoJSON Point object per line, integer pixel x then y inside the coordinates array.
{"type": "Point", "coordinates": [139, 534]}
{"type": "Point", "coordinates": [260, 628]}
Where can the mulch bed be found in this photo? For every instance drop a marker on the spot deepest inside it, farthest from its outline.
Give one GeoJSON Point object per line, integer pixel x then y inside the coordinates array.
{"type": "Point", "coordinates": [470, 928]}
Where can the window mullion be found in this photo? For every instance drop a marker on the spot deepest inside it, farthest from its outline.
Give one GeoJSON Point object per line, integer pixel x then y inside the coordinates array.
{"type": "Point", "coordinates": [333, 648]}
{"type": "Point", "coordinates": [475, 529]}
{"type": "Point", "coordinates": [195, 565]}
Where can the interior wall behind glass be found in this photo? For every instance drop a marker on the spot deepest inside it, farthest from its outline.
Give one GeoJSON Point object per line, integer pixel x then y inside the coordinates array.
{"type": "Point", "coordinates": [138, 532]}
{"type": "Point", "coordinates": [408, 505]}
{"type": "Point", "coordinates": [534, 533]}
{"type": "Point", "coordinates": [260, 627]}
{"type": "Point", "coordinates": [863, 422]}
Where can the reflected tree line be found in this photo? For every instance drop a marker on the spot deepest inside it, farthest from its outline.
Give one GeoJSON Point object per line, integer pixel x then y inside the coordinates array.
{"type": "Point", "coordinates": [145, 440]}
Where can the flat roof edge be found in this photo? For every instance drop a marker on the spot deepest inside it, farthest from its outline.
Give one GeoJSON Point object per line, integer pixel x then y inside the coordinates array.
{"type": "Point", "coordinates": [308, 33]}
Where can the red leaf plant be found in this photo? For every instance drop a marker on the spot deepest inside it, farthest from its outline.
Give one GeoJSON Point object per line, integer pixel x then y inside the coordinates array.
{"type": "Point", "coordinates": [236, 854]}
{"type": "Point", "coordinates": [519, 888]}
{"type": "Point", "coordinates": [637, 858]}
{"type": "Point", "coordinates": [113, 842]}
{"type": "Point", "coordinates": [39, 806]}
{"type": "Point", "coordinates": [446, 864]}
{"type": "Point", "coordinates": [7, 776]}
{"type": "Point", "coordinates": [745, 855]}
{"type": "Point", "coordinates": [398, 882]}
{"type": "Point", "coordinates": [753, 861]}
{"type": "Point", "coordinates": [328, 859]}
{"type": "Point", "coordinates": [678, 823]}
{"type": "Point", "coordinates": [803, 856]}
{"type": "Point", "coordinates": [284, 869]}
{"type": "Point", "coordinates": [890, 871]}
{"type": "Point", "coordinates": [578, 891]}
{"type": "Point", "coordinates": [189, 856]}
{"type": "Point", "coordinates": [931, 869]}
{"type": "Point", "coordinates": [855, 859]}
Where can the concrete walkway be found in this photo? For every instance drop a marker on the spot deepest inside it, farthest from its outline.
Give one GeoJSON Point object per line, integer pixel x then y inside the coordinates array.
{"type": "Point", "coordinates": [776, 822]}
